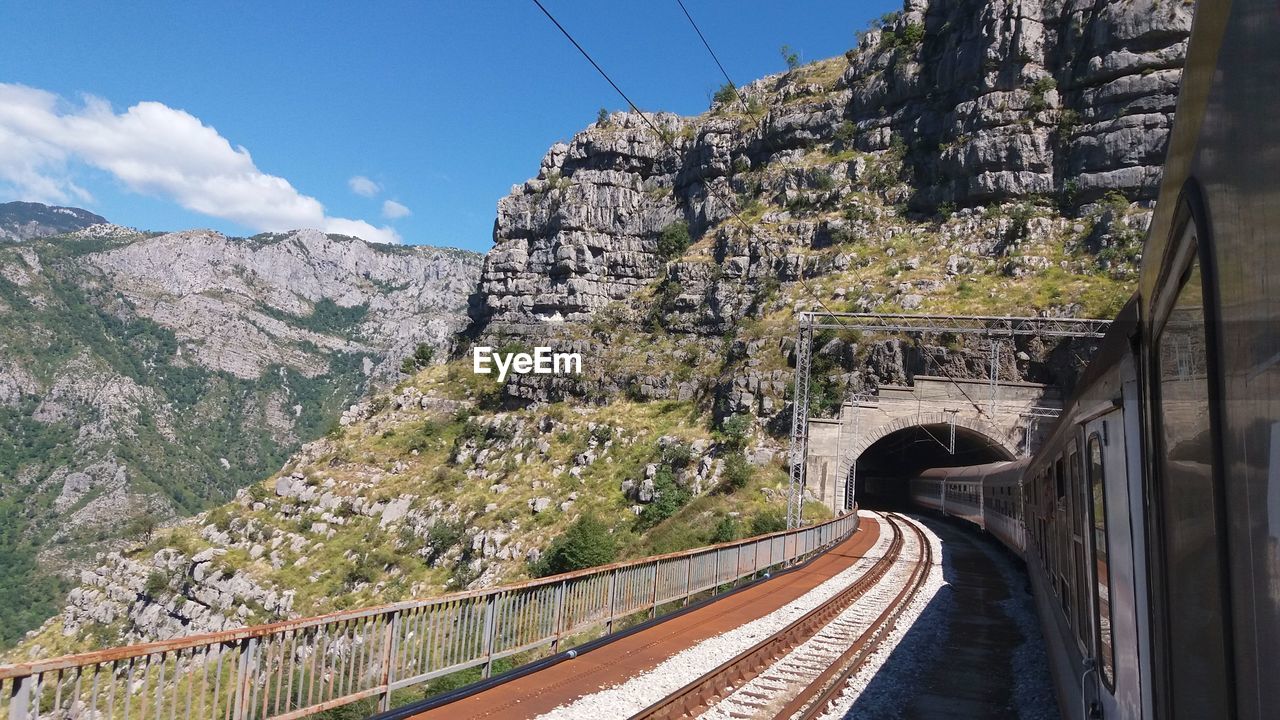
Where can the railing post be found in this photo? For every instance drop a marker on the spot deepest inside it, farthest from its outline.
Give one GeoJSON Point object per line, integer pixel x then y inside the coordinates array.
{"type": "Point", "coordinates": [244, 677]}
{"type": "Point", "coordinates": [653, 605]}
{"type": "Point", "coordinates": [715, 587]}
{"type": "Point", "coordinates": [561, 589]}
{"type": "Point", "coordinates": [388, 661]}
{"type": "Point", "coordinates": [490, 608]}
{"type": "Point", "coordinates": [613, 581]}
{"type": "Point", "coordinates": [20, 698]}
{"type": "Point", "coordinates": [688, 578]}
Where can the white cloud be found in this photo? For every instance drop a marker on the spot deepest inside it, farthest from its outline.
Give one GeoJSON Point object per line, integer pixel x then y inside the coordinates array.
{"type": "Point", "coordinates": [152, 149]}
{"type": "Point", "coordinates": [363, 186]}
{"type": "Point", "coordinates": [393, 210]}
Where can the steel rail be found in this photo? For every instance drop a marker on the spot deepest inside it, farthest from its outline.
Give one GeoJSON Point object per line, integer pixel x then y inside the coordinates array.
{"type": "Point", "coordinates": [694, 697]}
{"type": "Point", "coordinates": [817, 697]}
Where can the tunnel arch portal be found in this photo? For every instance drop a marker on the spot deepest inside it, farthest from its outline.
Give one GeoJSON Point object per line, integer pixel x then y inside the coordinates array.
{"type": "Point", "coordinates": [880, 466]}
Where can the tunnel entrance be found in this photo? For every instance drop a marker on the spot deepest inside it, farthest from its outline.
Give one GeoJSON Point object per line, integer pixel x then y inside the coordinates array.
{"type": "Point", "coordinates": [884, 468]}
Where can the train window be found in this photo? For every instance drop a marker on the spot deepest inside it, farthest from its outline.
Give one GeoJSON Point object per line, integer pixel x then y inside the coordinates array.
{"type": "Point", "coordinates": [1101, 562]}
{"type": "Point", "coordinates": [1195, 578]}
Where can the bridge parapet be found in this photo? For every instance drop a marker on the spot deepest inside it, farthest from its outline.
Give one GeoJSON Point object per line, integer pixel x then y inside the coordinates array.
{"type": "Point", "coordinates": [301, 667]}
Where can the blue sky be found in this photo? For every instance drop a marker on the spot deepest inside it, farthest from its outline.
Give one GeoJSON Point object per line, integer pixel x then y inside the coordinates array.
{"type": "Point", "coordinates": [443, 105]}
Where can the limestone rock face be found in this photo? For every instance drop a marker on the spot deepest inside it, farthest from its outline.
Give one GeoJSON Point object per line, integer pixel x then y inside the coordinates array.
{"type": "Point", "coordinates": [584, 232]}
{"type": "Point", "coordinates": [1009, 99]}
{"type": "Point", "coordinates": [230, 300]}
{"type": "Point", "coordinates": [992, 101]}
{"type": "Point", "coordinates": [148, 374]}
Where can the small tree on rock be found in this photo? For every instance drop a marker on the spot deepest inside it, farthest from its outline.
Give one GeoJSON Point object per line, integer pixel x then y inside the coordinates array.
{"type": "Point", "coordinates": [421, 358]}
{"type": "Point", "coordinates": [790, 57]}
{"type": "Point", "coordinates": [587, 543]}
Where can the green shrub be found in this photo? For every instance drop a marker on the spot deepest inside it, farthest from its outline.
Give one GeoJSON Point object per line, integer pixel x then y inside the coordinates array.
{"type": "Point", "coordinates": [770, 521]}
{"type": "Point", "coordinates": [726, 531]}
{"type": "Point", "coordinates": [421, 358]}
{"type": "Point", "coordinates": [602, 118]}
{"type": "Point", "coordinates": [442, 536]}
{"type": "Point", "coordinates": [587, 543]}
{"type": "Point", "coordinates": [846, 133]}
{"type": "Point", "coordinates": [674, 240]}
{"type": "Point", "coordinates": [157, 583]}
{"type": "Point", "coordinates": [911, 35]}
{"type": "Point", "coordinates": [141, 527]}
{"type": "Point", "coordinates": [734, 431]}
{"type": "Point", "coordinates": [726, 94]}
{"type": "Point", "coordinates": [737, 472]}
{"type": "Point", "coordinates": [677, 455]}
{"type": "Point", "coordinates": [1037, 101]}
{"type": "Point", "coordinates": [1068, 121]}
{"type": "Point", "coordinates": [668, 498]}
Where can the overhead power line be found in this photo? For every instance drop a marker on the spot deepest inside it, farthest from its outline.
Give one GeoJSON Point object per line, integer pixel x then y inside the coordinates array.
{"type": "Point", "coordinates": [707, 45]}
{"type": "Point", "coordinates": [803, 283]}
{"type": "Point", "coordinates": [666, 141]}
{"type": "Point", "coordinates": [711, 189]}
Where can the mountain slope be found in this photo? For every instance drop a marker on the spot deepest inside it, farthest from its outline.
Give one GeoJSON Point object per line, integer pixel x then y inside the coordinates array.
{"type": "Point", "coordinates": [27, 220]}
{"type": "Point", "coordinates": [144, 377]}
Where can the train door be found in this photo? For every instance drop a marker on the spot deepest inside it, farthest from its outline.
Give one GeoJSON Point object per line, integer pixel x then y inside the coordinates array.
{"type": "Point", "coordinates": [1115, 684]}
{"type": "Point", "coordinates": [1075, 548]}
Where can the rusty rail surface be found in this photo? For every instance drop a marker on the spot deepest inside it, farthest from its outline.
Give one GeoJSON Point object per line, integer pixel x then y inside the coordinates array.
{"type": "Point", "coordinates": [300, 667]}
{"type": "Point", "coordinates": [818, 696]}
{"type": "Point", "coordinates": [705, 691]}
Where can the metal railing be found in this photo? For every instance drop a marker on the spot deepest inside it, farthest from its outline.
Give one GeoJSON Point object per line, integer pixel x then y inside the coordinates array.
{"type": "Point", "coordinates": [991, 325]}
{"type": "Point", "coordinates": [301, 667]}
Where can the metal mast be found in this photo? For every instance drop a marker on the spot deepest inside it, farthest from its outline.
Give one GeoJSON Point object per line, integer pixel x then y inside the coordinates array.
{"type": "Point", "coordinates": [800, 422]}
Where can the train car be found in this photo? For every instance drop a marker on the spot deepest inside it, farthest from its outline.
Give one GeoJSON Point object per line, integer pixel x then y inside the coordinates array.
{"type": "Point", "coordinates": [926, 490]}
{"type": "Point", "coordinates": [989, 496]}
{"type": "Point", "coordinates": [1002, 504]}
{"type": "Point", "coordinates": [1150, 518]}
{"type": "Point", "coordinates": [1083, 493]}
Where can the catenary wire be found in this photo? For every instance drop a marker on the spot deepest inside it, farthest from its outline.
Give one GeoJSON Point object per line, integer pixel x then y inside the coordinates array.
{"type": "Point", "coordinates": [707, 45]}
{"type": "Point", "coordinates": [857, 274]}
{"type": "Point", "coordinates": [711, 189]}
{"type": "Point", "coordinates": [663, 137]}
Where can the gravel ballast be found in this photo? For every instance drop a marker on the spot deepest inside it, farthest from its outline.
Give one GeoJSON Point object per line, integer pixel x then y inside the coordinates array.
{"type": "Point", "coordinates": [649, 687]}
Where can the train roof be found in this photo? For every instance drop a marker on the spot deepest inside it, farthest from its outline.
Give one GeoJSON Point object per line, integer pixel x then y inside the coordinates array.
{"type": "Point", "coordinates": [971, 471]}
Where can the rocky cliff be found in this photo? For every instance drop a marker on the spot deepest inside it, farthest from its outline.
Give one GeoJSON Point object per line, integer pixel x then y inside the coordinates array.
{"type": "Point", "coordinates": [965, 157]}
{"type": "Point", "coordinates": [147, 376]}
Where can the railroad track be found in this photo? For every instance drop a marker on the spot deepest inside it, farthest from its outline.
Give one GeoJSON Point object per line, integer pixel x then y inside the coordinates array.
{"type": "Point", "coordinates": [802, 668]}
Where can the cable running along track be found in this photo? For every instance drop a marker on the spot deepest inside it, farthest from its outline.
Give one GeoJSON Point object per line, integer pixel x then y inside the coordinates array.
{"type": "Point", "coordinates": [802, 682]}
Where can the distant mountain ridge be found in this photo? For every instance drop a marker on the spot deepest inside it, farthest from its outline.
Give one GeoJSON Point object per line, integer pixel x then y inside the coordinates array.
{"type": "Point", "coordinates": [145, 376]}
{"type": "Point", "coordinates": [28, 220]}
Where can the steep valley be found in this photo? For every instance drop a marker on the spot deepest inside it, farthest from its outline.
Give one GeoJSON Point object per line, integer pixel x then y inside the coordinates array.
{"type": "Point", "coordinates": [145, 376]}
